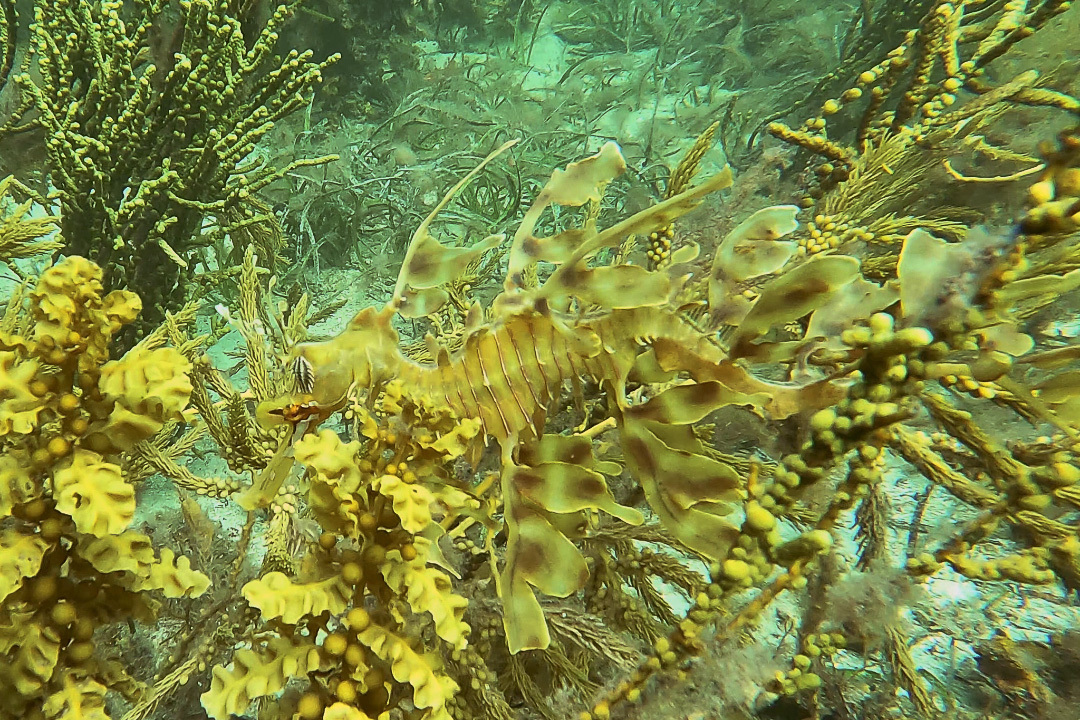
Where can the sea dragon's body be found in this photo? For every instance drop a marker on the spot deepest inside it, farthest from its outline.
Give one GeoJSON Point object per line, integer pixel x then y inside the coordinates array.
{"type": "Point", "coordinates": [585, 321]}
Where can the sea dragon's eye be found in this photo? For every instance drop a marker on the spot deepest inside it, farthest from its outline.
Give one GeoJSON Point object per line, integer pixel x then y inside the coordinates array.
{"type": "Point", "coordinates": [303, 374]}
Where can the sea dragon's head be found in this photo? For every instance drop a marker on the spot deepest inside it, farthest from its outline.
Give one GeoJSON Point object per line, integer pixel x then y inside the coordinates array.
{"type": "Point", "coordinates": [324, 374]}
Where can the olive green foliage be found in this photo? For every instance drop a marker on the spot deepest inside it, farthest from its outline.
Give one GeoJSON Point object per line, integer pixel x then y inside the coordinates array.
{"type": "Point", "coordinates": [649, 75]}
{"type": "Point", "coordinates": [149, 118]}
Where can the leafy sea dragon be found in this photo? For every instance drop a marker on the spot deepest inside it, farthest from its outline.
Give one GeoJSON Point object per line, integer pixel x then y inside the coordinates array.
{"type": "Point", "coordinates": [607, 322]}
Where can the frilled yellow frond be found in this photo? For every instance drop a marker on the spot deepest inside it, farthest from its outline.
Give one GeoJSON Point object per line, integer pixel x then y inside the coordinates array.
{"type": "Point", "coordinates": [276, 596]}
{"type": "Point", "coordinates": [255, 673]}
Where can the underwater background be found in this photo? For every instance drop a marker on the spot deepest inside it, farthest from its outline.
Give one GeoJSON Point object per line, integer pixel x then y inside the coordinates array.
{"type": "Point", "coordinates": [523, 359]}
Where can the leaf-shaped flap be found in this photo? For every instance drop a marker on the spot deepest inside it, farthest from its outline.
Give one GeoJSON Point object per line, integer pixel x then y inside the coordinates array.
{"type": "Point", "coordinates": [421, 267]}
{"type": "Point", "coordinates": [276, 596]}
{"type": "Point", "coordinates": [556, 248]}
{"type": "Point", "coordinates": [615, 288]}
{"type": "Point", "coordinates": [688, 476]}
{"type": "Point", "coordinates": [783, 399]}
{"type": "Point", "coordinates": [94, 493]}
{"type": "Point", "coordinates": [539, 553]}
{"type": "Point", "coordinates": [584, 180]}
{"type": "Point", "coordinates": [796, 293]}
{"type": "Point", "coordinates": [257, 673]}
{"type": "Point", "coordinates": [429, 591]}
{"type": "Point", "coordinates": [575, 449]}
{"type": "Point", "coordinates": [752, 249]}
{"type": "Point", "coordinates": [434, 264]}
{"type": "Point", "coordinates": [20, 558]}
{"type": "Point", "coordinates": [431, 690]}
{"type": "Point", "coordinates": [421, 303]}
{"type": "Point", "coordinates": [855, 301]}
{"type": "Point", "coordinates": [657, 468]}
{"type": "Point", "coordinates": [925, 261]}
{"type": "Point", "coordinates": [566, 488]}
{"type": "Point", "coordinates": [686, 404]}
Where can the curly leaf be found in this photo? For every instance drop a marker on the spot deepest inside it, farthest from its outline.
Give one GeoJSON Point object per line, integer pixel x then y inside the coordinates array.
{"type": "Point", "coordinates": [254, 674]}
{"type": "Point", "coordinates": [429, 590]}
{"type": "Point", "coordinates": [131, 552]}
{"type": "Point", "coordinates": [20, 558]}
{"type": "Point", "coordinates": [412, 502]}
{"type": "Point", "coordinates": [80, 699]}
{"type": "Point", "coordinates": [19, 408]}
{"type": "Point", "coordinates": [454, 443]}
{"type": "Point", "coordinates": [16, 485]}
{"type": "Point", "coordinates": [174, 577]}
{"type": "Point", "coordinates": [149, 388]}
{"type": "Point", "coordinates": [341, 711]}
{"type": "Point", "coordinates": [31, 665]}
{"type": "Point", "coordinates": [430, 689]}
{"type": "Point", "coordinates": [276, 596]}
{"type": "Point", "coordinates": [94, 493]}
{"type": "Point", "coordinates": [127, 552]}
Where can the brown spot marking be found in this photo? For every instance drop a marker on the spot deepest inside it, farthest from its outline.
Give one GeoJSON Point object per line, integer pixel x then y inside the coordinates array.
{"type": "Point", "coordinates": [531, 246]}
{"type": "Point", "coordinates": [577, 454]}
{"type": "Point", "coordinates": [420, 263]}
{"type": "Point", "coordinates": [576, 277]}
{"type": "Point", "coordinates": [591, 486]}
{"type": "Point", "coordinates": [801, 293]}
{"type": "Point", "coordinates": [526, 481]}
{"type": "Point", "coordinates": [637, 449]}
{"type": "Point", "coordinates": [530, 557]}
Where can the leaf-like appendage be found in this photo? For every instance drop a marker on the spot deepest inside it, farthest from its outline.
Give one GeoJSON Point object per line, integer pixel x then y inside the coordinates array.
{"type": "Point", "coordinates": [275, 595]}
{"type": "Point", "coordinates": [20, 558]}
{"type": "Point", "coordinates": [95, 494]}
{"type": "Point", "coordinates": [796, 293]}
{"type": "Point", "coordinates": [429, 590]}
{"type": "Point", "coordinates": [558, 480]}
{"type": "Point", "coordinates": [80, 699]}
{"type": "Point", "coordinates": [537, 554]}
{"type": "Point", "coordinates": [430, 689]}
{"type": "Point", "coordinates": [682, 488]}
{"type": "Point", "coordinates": [253, 674]}
{"type": "Point", "coordinates": [412, 502]}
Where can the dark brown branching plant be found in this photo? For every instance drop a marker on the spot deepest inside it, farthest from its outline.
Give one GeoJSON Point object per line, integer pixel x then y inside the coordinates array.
{"type": "Point", "coordinates": [151, 120]}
